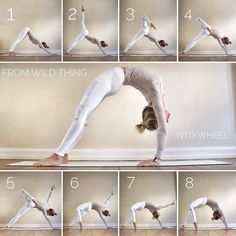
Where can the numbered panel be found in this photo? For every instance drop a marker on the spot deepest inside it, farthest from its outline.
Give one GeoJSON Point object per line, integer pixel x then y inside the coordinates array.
{"type": "Point", "coordinates": [30, 200]}
{"type": "Point", "coordinates": [201, 193]}
{"type": "Point", "coordinates": [141, 193]}
{"type": "Point", "coordinates": [143, 25]}
{"type": "Point", "coordinates": [195, 35]}
{"type": "Point", "coordinates": [91, 202]}
{"type": "Point", "coordinates": [26, 25]}
{"type": "Point", "coordinates": [85, 29]}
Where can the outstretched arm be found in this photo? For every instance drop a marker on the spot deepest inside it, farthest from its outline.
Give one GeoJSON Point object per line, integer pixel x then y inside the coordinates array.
{"type": "Point", "coordinates": [103, 219]}
{"type": "Point", "coordinates": [50, 194]}
{"type": "Point", "coordinates": [26, 194]}
{"type": "Point", "coordinates": [109, 197]}
{"type": "Point", "coordinates": [45, 49]}
{"type": "Point", "coordinates": [48, 220]}
{"type": "Point", "coordinates": [164, 206]}
{"type": "Point", "coordinates": [223, 46]}
{"type": "Point", "coordinates": [223, 219]}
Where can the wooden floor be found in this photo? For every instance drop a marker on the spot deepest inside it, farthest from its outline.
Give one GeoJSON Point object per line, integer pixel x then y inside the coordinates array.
{"type": "Point", "coordinates": [30, 58]}
{"type": "Point", "coordinates": [213, 167]}
{"type": "Point", "coordinates": [147, 58]}
{"type": "Point", "coordinates": [90, 232]}
{"type": "Point", "coordinates": [193, 57]}
{"type": "Point", "coordinates": [207, 233]}
{"type": "Point", "coordinates": [90, 58]}
{"type": "Point", "coordinates": [30, 232]}
{"type": "Point", "coordinates": [148, 232]}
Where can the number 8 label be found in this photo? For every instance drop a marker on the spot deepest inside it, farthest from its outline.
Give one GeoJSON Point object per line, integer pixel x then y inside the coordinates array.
{"type": "Point", "coordinates": [189, 182]}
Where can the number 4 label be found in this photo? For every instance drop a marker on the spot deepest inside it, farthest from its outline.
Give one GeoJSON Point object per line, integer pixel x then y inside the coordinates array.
{"type": "Point", "coordinates": [188, 15]}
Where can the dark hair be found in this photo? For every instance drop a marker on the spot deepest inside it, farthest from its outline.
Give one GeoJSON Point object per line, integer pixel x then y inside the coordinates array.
{"type": "Point", "coordinates": [162, 43]}
{"type": "Point", "coordinates": [103, 44]}
{"type": "Point", "coordinates": [155, 214]}
{"type": "Point", "coordinates": [226, 40]}
{"type": "Point", "coordinates": [51, 212]}
{"type": "Point", "coordinates": [149, 120]}
{"type": "Point", "coordinates": [106, 213]}
{"type": "Point", "coordinates": [216, 215]}
{"type": "Point", "coordinates": [45, 44]}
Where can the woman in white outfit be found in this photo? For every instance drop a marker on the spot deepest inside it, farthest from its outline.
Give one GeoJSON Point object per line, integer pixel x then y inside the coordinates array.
{"type": "Point", "coordinates": [138, 206]}
{"type": "Point", "coordinates": [27, 31]}
{"type": "Point", "coordinates": [207, 30]}
{"type": "Point", "coordinates": [145, 31]}
{"type": "Point", "coordinates": [85, 34]}
{"type": "Point", "coordinates": [31, 202]}
{"type": "Point", "coordinates": [84, 208]}
{"type": "Point", "coordinates": [107, 84]}
{"type": "Point", "coordinates": [201, 202]}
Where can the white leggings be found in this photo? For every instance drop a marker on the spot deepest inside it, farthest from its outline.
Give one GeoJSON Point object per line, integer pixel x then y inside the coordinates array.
{"type": "Point", "coordinates": [80, 212]}
{"type": "Point", "coordinates": [139, 35]}
{"type": "Point", "coordinates": [28, 205]}
{"type": "Point", "coordinates": [79, 37]}
{"type": "Point", "coordinates": [204, 33]}
{"type": "Point", "coordinates": [25, 31]}
{"type": "Point", "coordinates": [106, 84]}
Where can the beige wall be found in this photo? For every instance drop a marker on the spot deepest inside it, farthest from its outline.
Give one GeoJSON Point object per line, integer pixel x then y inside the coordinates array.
{"type": "Point", "coordinates": [218, 186]}
{"type": "Point", "coordinates": [157, 188]}
{"type": "Point", "coordinates": [38, 185]}
{"type": "Point", "coordinates": [94, 187]}
{"type": "Point", "coordinates": [43, 17]}
{"type": "Point", "coordinates": [36, 112]}
{"type": "Point", "coordinates": [218, 15]}
{"type": "Point", "coordinates": [161, 13]}
{"type": "Point", "coordinates": [101, 23]}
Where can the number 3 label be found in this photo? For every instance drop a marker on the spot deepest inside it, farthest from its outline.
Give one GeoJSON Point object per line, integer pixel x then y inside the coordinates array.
{"type": "Point", "coordinates": [131, 14]}
{"type": "Point", "coordinates": [188, 15]}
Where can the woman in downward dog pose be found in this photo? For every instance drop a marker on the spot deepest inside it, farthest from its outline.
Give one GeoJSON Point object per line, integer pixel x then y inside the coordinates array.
{"type": "Point", "coordinates": [145, 31]}
{"type": "Point", "coordinates": [85, 34]}
{"type": "Point", "coordinates": [207, 30]}
{"type": "Point", "coordinates": [138, 206]}
{"type": "Point", "coordinates": [31, 202]}
{"type": "Point", "coordinates": [84, 208]}
{"type": "Point", "coordinates": [107, 84]}
{"type": "Point", "coordinates": [27, 31]}
{"type": "Point", "coordinates": [201, 202]}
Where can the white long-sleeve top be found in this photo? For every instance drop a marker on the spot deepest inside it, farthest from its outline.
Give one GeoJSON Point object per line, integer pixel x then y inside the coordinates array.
{"type": "Point", "coordinates": [145, 22]}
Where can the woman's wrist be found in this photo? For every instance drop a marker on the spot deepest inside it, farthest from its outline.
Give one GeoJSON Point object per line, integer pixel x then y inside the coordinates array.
{"type": "Point", "coordinates": [156, 159]}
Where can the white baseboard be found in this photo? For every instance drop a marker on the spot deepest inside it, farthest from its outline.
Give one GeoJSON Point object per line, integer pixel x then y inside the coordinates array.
{"type": "Point", "coordinates": [209, 226]}
{"type": "Point", "coordinates": [183, 153]}
{"type": "Point", "coordinates": [92, 53]}
{"type": "Point", "coordinates": [31, 226]}
{"type": "Point", "coordinates": [212, 53]}
{"type": "Point", "coordinates": [37, 52]}
{"type": "Point", "coordinates": [93, 226]}
{"type": "Point", "coordinates": [151, 52]}
{"type": "Point", "coordinates": [152, 226]}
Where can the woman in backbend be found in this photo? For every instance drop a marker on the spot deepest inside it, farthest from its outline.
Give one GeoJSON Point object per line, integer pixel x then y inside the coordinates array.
{"type": "Point", "coordinates": [155, 115]}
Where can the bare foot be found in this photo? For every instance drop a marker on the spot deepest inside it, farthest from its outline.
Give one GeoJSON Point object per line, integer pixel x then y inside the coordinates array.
{"type": "Point", "coordinates": [125, 53]}
{"type": "Point", "coordinates": [53, 160]}
{"type": "Point", "coordinates": [11, 54]}
{"type": "Point", "coordinates": [149, 163]}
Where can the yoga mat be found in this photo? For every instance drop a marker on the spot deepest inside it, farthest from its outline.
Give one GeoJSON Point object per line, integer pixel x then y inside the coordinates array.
{"type": "Point", "coordinates": [127, 163]}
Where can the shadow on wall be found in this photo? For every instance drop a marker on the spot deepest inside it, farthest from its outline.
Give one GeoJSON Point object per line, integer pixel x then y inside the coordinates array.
{"type": "Point", "coordinates": [233, 72]}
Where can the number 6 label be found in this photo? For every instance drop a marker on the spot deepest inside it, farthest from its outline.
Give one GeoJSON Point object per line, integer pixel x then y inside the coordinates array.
{"type": "Point", "coordinates": [74, 183]}
{"type": "Point", "coordinates": [10, 183]}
